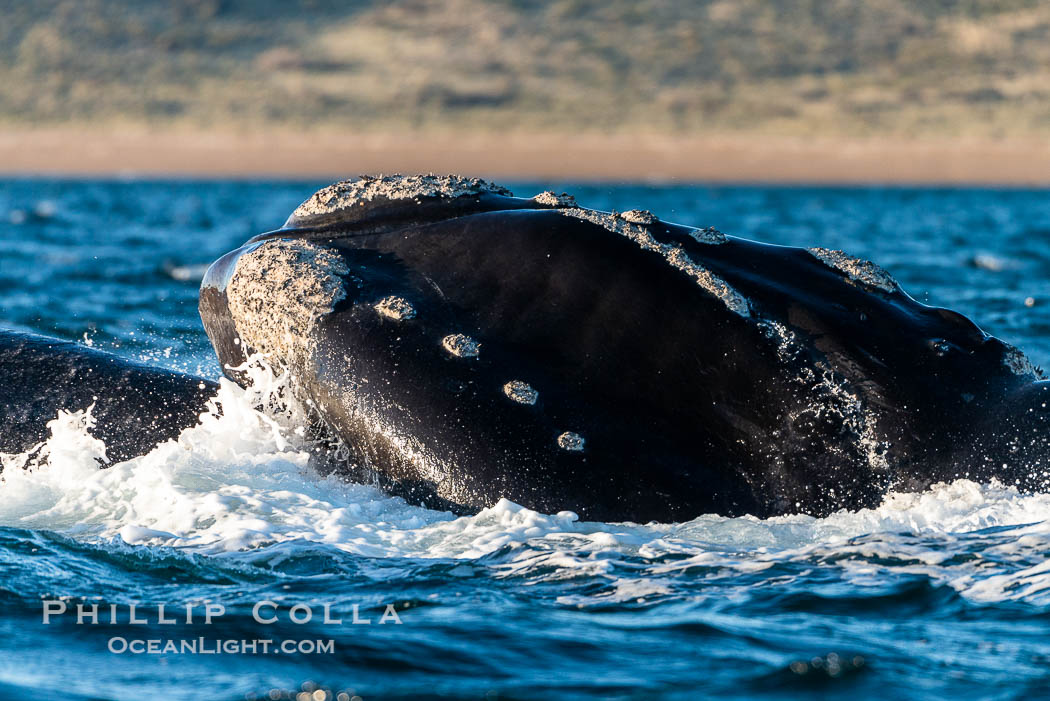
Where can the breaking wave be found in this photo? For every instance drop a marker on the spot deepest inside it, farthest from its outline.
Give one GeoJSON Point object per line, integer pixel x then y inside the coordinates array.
{"type": "Point", "coordinates": [244, 479]}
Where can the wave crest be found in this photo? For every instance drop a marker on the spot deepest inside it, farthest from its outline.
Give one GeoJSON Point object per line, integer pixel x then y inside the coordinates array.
{"type": "Point", "coordinates": [243, 479]}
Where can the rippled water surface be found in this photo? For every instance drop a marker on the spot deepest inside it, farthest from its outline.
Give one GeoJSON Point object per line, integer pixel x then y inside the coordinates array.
{"type": "Point", "coordinates": [940, 594]}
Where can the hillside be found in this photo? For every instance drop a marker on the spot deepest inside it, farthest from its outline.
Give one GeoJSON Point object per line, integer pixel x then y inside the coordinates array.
{"type": "Point", "coordinates": [850, 68]}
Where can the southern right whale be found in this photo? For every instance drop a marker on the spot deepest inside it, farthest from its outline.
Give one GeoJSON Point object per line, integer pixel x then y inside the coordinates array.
{"type": "Point", "coordinates": [468, 345]}
{"type": "Point", "coordinates": [134, 406]}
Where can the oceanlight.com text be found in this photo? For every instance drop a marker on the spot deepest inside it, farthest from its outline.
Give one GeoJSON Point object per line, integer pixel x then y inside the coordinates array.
{"type": "Point", "coordinates": [216, 646]}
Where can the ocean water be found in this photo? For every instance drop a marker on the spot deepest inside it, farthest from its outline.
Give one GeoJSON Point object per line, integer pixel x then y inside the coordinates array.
{"type": "Point", "coordinates": [933, 595]}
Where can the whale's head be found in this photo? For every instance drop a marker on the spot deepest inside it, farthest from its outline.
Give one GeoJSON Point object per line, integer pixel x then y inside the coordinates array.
{"type": "Point", "coordinates": [480, 345]}
{"type": "Point", "coordinates": [1013, 441]}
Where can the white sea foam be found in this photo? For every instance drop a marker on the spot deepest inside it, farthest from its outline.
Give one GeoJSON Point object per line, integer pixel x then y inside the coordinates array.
{"type": "Point", "coordinates": [242, 479]}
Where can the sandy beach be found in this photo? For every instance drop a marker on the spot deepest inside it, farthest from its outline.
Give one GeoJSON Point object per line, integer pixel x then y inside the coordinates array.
{"type": "Point", "coordinates": [135, 152]}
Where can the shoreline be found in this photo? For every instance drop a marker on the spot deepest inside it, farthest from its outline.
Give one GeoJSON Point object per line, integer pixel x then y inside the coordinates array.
{"type": "Point", "coordinates": [328, 154]}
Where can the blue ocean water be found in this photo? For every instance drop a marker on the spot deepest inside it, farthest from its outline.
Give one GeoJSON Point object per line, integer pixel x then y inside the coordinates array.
{"type": "Point", "coordinates": [940, 594]}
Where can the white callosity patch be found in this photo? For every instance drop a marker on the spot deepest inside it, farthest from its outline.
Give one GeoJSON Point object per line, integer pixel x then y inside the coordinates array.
{"type": "Point", "coordinates": [710, 235]}
{"type": "Point", "coordinates": [461, 345]}
{"type": "Point", "coordinates": [1019, 364]}
{"type": "Point", "coordinates": [573, 442]}
{"type": "Point", "coordinates": [552, 199]}
{"type": "Point", "coordinates": [872, 275]}
{"type": "Point", "coordinates": [857, 269]}
{"type": "Point", "coordinates": [349, 193]}
{"type": "Point", "coordinates": [639, 216]}
{"type": "Point", "coordinates": [520, 392]}
{"type": "Point", "coordinates": [396, 308]}
{"type": "Point", "coordinates": [721, 289]}
{"type": "Point", "coordinates": [278, 291]}
{"type": "Point", "coordinates": [675, 255]}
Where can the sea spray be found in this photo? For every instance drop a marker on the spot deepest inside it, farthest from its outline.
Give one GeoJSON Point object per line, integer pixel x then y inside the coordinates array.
{"type": "Point", "coordinates": [243, 479]}
{"type": "Point", "coordinates": [944, 592]}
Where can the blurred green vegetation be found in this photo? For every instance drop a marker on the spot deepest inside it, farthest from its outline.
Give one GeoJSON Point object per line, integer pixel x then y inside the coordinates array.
{"type": "Point", "coordinates": [807, 67]}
